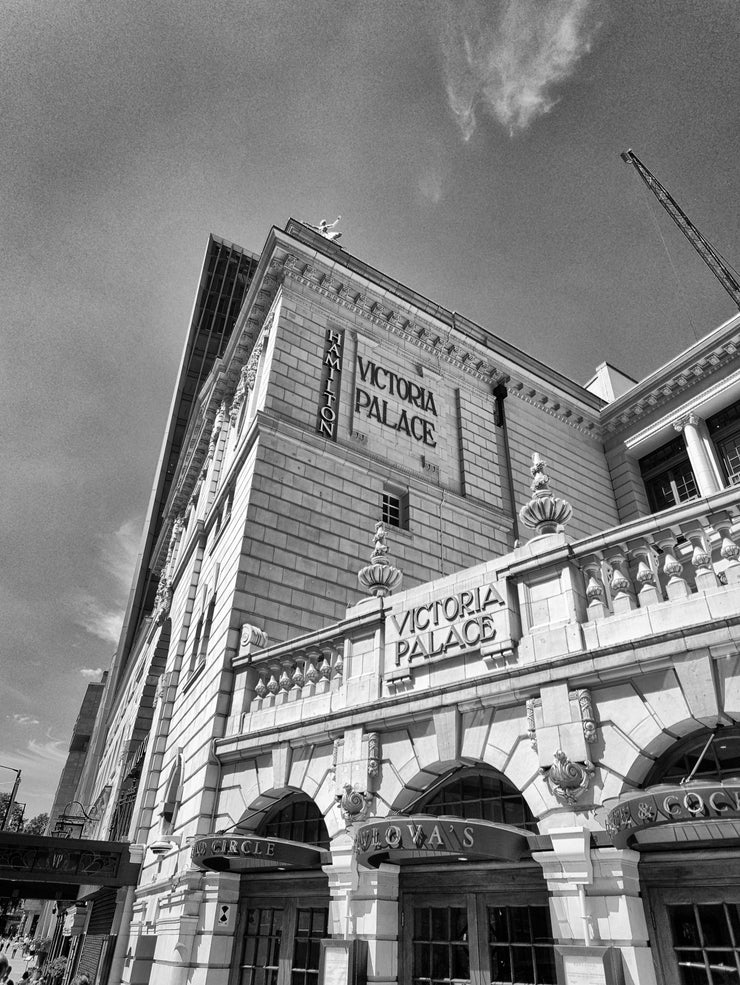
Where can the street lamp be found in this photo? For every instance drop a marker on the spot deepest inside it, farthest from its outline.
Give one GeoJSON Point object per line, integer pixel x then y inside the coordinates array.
{"type": "Point", "coordinates": [11, 802]}
{"type": "Point", "coordinates": [72, 825]}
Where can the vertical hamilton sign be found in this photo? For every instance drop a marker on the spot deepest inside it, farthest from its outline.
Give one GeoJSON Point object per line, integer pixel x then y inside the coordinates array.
{"type": "Point", "coordinates": [331, 376]}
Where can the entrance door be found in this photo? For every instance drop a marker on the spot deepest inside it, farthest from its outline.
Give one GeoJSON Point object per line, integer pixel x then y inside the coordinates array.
{"type": "Point", "coordinates": [697, 935]}
{"type": "Point", "coordinates": [475, 937]}
{"type": "Point", "coordinates": [278, 940]}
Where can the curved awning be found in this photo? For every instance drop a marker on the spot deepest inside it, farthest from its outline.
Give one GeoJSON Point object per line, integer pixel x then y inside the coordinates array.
{"type": "Point", "coordinates": [243, 853]}
{"type": "Point", "coordinates": [421, 838]}
{"type": "Point", "coordinates": [696, 811]}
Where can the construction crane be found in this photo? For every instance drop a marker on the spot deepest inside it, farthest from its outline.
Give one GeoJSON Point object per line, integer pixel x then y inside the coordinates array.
{"type": "Point", "coordinates": [719, 267]}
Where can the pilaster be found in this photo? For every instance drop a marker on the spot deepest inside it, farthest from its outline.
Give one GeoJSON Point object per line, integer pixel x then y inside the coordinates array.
{"type": "Point", "coordinates": [595, 900]}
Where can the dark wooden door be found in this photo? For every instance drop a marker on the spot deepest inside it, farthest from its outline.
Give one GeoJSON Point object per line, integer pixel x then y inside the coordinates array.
{"type": "Point", "coordinates": [476, 934]}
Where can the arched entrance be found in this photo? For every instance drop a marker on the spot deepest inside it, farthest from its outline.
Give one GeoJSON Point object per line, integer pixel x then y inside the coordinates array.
{"type": "Point", "coordinates": [284, 911]}
{"type": "Point", "coordinates": [465, 920]}
{"type": "Point", "coordinates": [685, 822]}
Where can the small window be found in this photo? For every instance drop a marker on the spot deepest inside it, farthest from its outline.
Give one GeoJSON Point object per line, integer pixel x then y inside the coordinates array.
{"type": "Point", "coordinates": [396, 509]}
{"type": "Point", "coordinates": [668, 476]}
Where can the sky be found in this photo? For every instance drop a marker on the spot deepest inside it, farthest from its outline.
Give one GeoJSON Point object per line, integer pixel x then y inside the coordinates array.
{"type": "Point", "coordinates": [472, 150]}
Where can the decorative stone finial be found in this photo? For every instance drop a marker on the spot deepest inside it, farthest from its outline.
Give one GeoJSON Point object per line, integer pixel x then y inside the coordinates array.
{"type": "Point", "coordinates": [544, 511]}
{"type": "Point", "coordinates": [380, 577]}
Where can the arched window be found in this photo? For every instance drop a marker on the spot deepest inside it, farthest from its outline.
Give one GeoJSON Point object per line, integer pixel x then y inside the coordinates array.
{"type": "Point", "coordinates": [481, 794]}
{"type": "Point", "coordinates": [716, 753]}
{"type": "Point", "coordinates": [296, 819]}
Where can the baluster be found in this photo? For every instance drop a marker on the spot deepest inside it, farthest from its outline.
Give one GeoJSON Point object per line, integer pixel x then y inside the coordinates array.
{"type": "Point", "coordinates": [595, 590]}
{"type": "Point", "coordinates": [676, 586]}
{"type": "Point", "coordinates": [286, 682]}
{"type": "Point", "coordinates": [298, 678]}
{"type": "Point", "coordinates": [729, 550]}
{"type": "Point", "coordinates": [338, 663]}
{"type": "Point", "coordinates": [623, 594]}
{"type": "Point", "coordinates": [325, 672]}
{"type": "Point", "coordinates": [701, 559]}
{"type": "Point", "coordinates": [646, 576]}
{"type": "Point", "coordinates": [260, 688]}
{"type": "Point", "coordinates": [272, 685]}
{"type": "Point", "coordinates": [311, 671]}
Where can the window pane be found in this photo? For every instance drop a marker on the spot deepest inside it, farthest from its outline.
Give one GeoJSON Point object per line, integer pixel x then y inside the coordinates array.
{"type": "Point", "coordinates": [522, 965]}
{"type": "Point", "coordinates": [692, 968]}
{"type": "Point", "coordinates": [714, 925]}
{"type": "Point", "coordinates": [723, 967]}
{"type": "Point", "coordinates": [421, 961]}
{"type": "Point", "coordinates": [545, 960]}
{"type": "Point", "coordinates": [421, 923]}
{"type": "Point", "coordinates": [683, 926]}
{"type": "Point", "coordinates": [439, 924]}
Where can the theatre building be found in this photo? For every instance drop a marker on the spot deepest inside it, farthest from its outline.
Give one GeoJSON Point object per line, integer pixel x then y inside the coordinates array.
{"type": "Point", "coordinates": [431, 672]}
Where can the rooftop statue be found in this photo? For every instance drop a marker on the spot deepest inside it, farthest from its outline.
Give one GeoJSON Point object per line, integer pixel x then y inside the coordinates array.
{"type": "Point", "coordinates": [324, 228]}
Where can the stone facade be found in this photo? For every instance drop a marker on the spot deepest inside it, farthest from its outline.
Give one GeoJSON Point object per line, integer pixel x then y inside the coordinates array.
{"type": "Point", "coordinates": [550, 669]}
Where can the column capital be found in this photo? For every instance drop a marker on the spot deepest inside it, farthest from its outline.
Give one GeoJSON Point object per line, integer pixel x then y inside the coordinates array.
{"type": "Point", "coordinates": [690, 420]}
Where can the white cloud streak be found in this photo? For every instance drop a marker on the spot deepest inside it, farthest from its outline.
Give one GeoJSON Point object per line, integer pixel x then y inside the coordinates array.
{"type": "Point", "coordinates": [91, 672]}
{"type": "Point", "coordinates": [97, 619]}
{"type": "Point", "coordinates": [505, 56]}
{"type": "Point", "coordinates": [25, 720]}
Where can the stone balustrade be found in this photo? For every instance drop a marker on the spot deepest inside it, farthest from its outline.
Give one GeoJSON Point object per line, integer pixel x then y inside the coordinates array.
{"type": "Point", "coordinates": [298, 674]}
{"type": "Point", "coordinates": [686, 553]}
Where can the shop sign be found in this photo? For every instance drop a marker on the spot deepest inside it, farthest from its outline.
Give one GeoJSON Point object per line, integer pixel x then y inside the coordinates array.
{"type": "Point", "coordinates": [679, 804]}
{"type": "Point", "coordinates": [449, 624]}
{"type": "Point", "coordinates": [238, 853]}
{"type": "Point", "coordinates": [331, 375]}
{"type": "Point", "coordinates": [395, 402]}
{"type": "Point", "coordinates": [422, 838]}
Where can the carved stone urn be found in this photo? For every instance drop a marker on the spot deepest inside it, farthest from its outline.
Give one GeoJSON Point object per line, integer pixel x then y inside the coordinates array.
{"type": "Point", "coordinates": [544, 511]}
{"type": "Point", "coordinates": [380, 577]}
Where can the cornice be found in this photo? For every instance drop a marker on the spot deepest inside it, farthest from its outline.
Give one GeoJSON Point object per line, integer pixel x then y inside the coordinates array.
{"type": "Point", "coordinates": [691, 368]}
{"type": "Point", "coordinates": [684, 410]}
{"type": "Point", "coordinates": [435, 331]}
{"type": "Point", "coordinates": [445, 343]}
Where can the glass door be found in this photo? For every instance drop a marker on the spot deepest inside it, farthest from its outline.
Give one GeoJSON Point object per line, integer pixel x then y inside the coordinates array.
{"type": "Point", "coordinates": [477, 939]}
{"type": "Point", "coordinates": [280, 942]}
{"type": "Point", "coordinates": [697, 935]}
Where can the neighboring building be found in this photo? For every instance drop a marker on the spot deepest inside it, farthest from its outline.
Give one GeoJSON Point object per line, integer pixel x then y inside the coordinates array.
{"type": "Point", "coordinates": [283, 745]}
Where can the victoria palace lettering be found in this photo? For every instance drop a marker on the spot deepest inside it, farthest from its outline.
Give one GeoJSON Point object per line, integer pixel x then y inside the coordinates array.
{"type": "Point", "coordinates": [401, 390]}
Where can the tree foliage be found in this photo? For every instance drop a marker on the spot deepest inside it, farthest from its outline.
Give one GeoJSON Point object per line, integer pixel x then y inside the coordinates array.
{"type": "Point", "coordinates": [33, 826]}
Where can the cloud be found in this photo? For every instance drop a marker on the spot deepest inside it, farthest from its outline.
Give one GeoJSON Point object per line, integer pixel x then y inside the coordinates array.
{"type": "Point", "coordinates": [97, 619]}
{"type": "Point", "coordinates": [119, 556]}
{"type": "Point", "coordinates": [90, 672]}
{"type": "Point", "coordinates": [25, 720]}
{"type": "Point", "coordinates": [506, 56]}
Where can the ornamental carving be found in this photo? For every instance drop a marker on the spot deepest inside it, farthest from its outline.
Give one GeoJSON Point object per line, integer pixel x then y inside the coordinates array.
{"type": "Point", "coordinates": [585, 705]}
{"type": "Point", "coordinates": [217, 425]}
{"type": "Point", "coordinates": [531, 723]}
{"type": "Point", "coordinates": [566, 780]}
{"type": "Point", "coordinates": [544, 511]}
{"type": "Point", "coordinates": [373, 754]}
{"type": "Point", "coordinates": [353, 804]}
{"type": "Point", "coordinates": [380, 577]}
{"type": "Point", "coordinates": [162, 600]}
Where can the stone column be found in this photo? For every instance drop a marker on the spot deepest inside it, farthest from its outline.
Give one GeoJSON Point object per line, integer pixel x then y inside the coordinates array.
{"type": "Point", "coordinates": [595, 900]}
{"type": "Point", "coordinates": [376, 918]}
{"type": "Point", "coordinates": [702, 455]}
{"type": "Point", "coordinates": [364, 905]}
